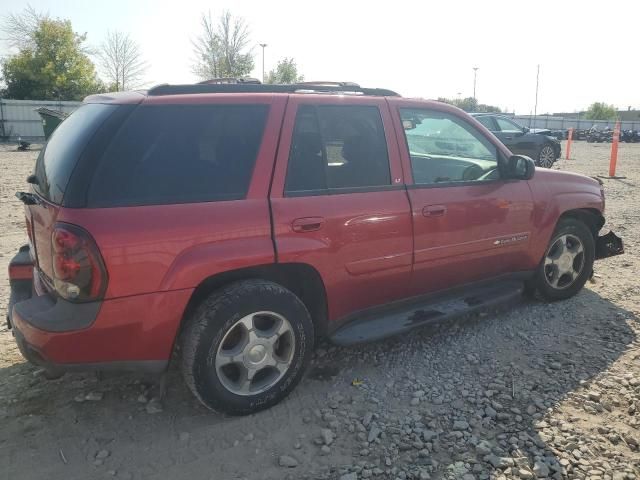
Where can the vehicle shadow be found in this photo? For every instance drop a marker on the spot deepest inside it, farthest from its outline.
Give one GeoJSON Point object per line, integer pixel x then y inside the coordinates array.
{"type": "Point", "coordinates": [539, 385]}
{"type": "Point", "coordinates": [506, 374]}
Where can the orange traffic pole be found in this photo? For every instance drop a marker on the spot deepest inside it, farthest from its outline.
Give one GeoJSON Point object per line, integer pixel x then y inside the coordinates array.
{"type": "Point", "coordinates": [569, 137]}
{"type": "Point", "coordinates": [614, 150]}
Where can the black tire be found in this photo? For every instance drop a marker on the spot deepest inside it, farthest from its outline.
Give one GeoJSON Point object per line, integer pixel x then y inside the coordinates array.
{"type": "Point", "coordinates": [574, 229]}
{"type": "Point", "coordinates": [546, 156]}
{"type": "Point", "coordinates": [215, 317]}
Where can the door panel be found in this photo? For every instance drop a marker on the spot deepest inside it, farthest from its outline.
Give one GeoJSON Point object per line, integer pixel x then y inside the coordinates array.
{"type": "Point", "coordinates": [359, 239]}
{"type": "Point", "coordinates": [483, 233]}
{"type": "Point", "coordinates": [362, 250]}
{"type": "Point", "coordinates": [469, 224]}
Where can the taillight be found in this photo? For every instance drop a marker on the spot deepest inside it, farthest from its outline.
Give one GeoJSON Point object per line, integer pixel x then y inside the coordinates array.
{"type": "Point", "coordinates": [78, 270]}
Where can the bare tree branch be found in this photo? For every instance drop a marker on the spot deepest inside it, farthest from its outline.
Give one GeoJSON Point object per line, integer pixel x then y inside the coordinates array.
{"type": "Point", "coordinates": [121, 61]}
{"type": "Point", "coordinates": [19, 28]}
{"type": "Point", "coordinates": [221, 50]}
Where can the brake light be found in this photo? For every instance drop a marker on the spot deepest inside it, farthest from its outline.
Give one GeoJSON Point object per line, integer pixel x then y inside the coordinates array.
{"type": "Point", "coordinates": [78, 270]}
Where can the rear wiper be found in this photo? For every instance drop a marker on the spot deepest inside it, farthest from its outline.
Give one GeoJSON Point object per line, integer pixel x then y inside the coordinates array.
{"type": "Point", "coordinates": [29, 198]}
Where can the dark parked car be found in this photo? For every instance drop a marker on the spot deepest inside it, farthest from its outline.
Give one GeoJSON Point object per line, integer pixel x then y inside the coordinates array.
{"type": "Point", "coordinates": [630, 136]}
{"type": "Point", "coordinates": [239, 223]}
{"type": "Point", "coordinates": [538, 144]}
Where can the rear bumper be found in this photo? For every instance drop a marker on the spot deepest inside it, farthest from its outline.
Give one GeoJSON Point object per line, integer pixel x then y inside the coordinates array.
{"type": "Point", "coordinates": [130, 333]}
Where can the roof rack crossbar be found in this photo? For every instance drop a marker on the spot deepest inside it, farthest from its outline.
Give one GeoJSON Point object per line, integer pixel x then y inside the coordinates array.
{"type": "Point", "coordinates": [246, 87]}
{"type": "Point", "coordinates": [230, 80]}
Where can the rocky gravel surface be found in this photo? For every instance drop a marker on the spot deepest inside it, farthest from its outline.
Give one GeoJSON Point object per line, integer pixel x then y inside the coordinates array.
{"type": "Point", "coordinates": [529, 391]}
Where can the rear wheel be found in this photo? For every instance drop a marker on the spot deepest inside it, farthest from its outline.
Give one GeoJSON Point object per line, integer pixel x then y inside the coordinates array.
{"type": "Point", "coordinates": [567, 262]}
{"type": "Point", "coordinates": [546, 156]}
{"type": "Point", "coordinates": [246, 347]}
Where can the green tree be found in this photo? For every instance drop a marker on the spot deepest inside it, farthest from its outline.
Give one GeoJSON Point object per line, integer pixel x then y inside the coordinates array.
{"type": "Point", "coordinates": [470, 104]}
{"type": "Point", "coordinates": [222, 48]}
{"type": "Point", "coordinates": [51, 66]}
{"type": "Point", "coordinates": [286, 71]}
{"type": "Point", "coordinates": [601, 111]}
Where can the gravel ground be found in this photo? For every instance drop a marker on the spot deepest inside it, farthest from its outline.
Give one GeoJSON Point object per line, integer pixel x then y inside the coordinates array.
{"type": "Point", "coordinates": [536, 390]}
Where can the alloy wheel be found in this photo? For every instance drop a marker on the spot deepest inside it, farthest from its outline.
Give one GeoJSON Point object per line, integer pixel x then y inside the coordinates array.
{"type": "Point", "coordinates": [255, 353]}
{"type": "Point", "coordinates": [547, 156]}
{"type": "Point", "coordinates": [564, 261]}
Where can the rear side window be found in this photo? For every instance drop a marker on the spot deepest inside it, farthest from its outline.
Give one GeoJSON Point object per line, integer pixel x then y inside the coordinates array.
{"type": "Point", "coordinates": [59, 156]}
{"type": "Point", "coordinates": [337, 148]}
{"type": "Point", "coordinates": [180, 154]}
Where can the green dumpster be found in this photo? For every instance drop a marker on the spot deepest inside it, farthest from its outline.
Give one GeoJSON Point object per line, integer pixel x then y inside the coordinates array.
{"type": "Point", "coordinates": [50, 120]}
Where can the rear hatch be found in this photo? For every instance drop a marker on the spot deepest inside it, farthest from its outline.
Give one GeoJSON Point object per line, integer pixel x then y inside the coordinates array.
{"type": "Point", "coordinates": [54, 168]}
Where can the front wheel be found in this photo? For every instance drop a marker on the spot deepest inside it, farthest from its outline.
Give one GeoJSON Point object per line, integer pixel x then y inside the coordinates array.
{"type": "Point", "coordinates": [567, 262]}
{"type": "Point", "coordinates": [546, 156]}
{"type": "Point", "coordinates": [246, 347]}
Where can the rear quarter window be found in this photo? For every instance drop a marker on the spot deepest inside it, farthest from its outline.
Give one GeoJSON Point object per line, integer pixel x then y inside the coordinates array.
{"type": "Point", "coordinates": [59, 157]}
{"type": "Point", "coordinates": [165, 154]}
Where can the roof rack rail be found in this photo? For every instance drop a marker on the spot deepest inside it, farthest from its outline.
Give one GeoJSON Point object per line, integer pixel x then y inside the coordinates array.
{"type": "Point", "coordinates": [344, 88]}
{"type": "Point", "coordinates": [230, 81]}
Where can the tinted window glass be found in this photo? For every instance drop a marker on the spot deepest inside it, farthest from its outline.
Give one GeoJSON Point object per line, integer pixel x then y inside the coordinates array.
{"type": "Point", "coordinates": [59, 156]}
{"type": "Point", "coordinates": [180, 154]}
{"type": "Point", "coordinates": [507, 126]}
{"type": "Point", "coordinates": [445, 148]}
{"type": "Point", "coordinates": [337, 147]}
{"type": "Point", "coordinates": [487, 122]}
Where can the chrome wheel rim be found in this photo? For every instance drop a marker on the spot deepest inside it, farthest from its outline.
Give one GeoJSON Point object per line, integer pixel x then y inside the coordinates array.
{"type": "Point", "coordinates": [547, 156]}
{"type": "Point", "coordinates": [255, 353]}
{"type": "Point", "coordinates": [564, 261]}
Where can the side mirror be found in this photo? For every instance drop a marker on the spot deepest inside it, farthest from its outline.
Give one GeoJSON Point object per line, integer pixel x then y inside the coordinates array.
{"type": "Point", "coordinates": [525, 129]}
{"type": "Point", "coordinates": [519, 167]}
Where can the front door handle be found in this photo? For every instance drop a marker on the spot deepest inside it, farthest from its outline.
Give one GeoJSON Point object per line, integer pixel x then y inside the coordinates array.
{"type": "Point", "coordinates": [307, 224]}
{"type": "Point", "coordinates": [434, 210]}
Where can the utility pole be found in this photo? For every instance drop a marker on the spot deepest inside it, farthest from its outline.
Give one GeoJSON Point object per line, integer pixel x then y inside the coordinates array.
{"type": "Point", "coordinates": [475, 75]}
{"type": "Point", "coordinates": [263, 45]}
{"type": "Point", "coordinates": [535, 108]}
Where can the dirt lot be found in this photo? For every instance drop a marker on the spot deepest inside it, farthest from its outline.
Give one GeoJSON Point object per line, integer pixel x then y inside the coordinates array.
{"type": "Point", "coordinates": [536, 390]}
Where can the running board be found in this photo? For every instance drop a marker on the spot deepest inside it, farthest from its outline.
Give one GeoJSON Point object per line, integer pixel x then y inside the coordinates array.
{"type": "Point", "coordinates": [397, 318]}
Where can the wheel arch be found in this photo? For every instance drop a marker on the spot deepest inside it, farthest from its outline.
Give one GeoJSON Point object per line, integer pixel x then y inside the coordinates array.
{"type": "Point", "coordinates": [592, 217]}
{"type": "Point", "coordinates": [300, 278]}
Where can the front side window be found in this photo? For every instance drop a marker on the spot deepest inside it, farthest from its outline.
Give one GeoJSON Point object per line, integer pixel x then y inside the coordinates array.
{"type": "Point", "coordinates": [446, 149]}
{"type": "Point", "coordinates": [508, 126]}
{"type": "Point", "coordinates": [167, 154]}
{"type": "Point", "coordinates": [336, 148]}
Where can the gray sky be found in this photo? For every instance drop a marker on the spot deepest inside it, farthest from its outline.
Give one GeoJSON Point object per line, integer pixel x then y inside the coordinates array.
{"type": "Point", "coordinates": [588, 51]}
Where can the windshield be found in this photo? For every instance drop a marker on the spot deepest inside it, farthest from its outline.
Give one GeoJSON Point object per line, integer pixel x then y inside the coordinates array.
{"type": "Point", "coordinates": [59, 156]}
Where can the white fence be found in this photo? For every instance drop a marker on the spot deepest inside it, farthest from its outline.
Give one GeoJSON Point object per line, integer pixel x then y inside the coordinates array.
{"type": "Point", "coordinates": [18, 118]}
{"type": "Point", "coordinates": [562, 123]}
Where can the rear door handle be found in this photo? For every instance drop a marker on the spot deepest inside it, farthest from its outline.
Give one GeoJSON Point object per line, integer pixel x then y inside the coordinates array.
{"type": "Point", "coordinates": [307, 224]}
{"type": "Point", "coordinates": [434, 210]}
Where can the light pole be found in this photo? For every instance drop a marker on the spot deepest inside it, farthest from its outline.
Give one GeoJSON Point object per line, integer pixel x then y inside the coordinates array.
{"type": "Point", "coordinates": [263, 45]}
{"type": "Point", "coordinates": [535, 108]}
{"type": "Point", "coordinates": [475, 75]}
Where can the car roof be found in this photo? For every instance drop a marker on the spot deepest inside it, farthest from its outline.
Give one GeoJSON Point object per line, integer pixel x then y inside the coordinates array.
{"type": "Point", "coordinates": [241, 86]}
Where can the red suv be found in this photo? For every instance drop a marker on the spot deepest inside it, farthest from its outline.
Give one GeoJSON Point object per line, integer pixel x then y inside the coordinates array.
{"type": "Point", "coordinates": [240, 222]}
